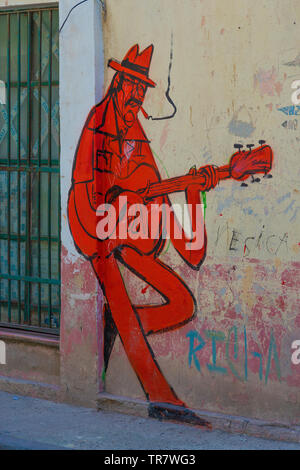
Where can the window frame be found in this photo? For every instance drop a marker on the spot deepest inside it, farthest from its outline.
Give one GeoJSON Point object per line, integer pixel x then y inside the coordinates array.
{"type": "Point", "coordinates": [28, 282]}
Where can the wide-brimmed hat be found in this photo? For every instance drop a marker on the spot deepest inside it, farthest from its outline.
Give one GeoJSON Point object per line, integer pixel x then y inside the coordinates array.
{"type": "Point", "coordinates": [135, 64]}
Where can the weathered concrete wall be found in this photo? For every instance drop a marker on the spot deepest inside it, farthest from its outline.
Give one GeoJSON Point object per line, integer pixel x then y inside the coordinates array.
{"type": "Point", "coordinates": [232, 70]}
{"type": "Point", "coordinates": [81, 83]}
{"type": "Point", "coordinates": [233, 64]}
{"type": "Point", "coordinates": [31, 364]}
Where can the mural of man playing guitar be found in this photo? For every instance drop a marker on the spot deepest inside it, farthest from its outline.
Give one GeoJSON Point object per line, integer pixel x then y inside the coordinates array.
{"type": "Point", "coordinates": [114, 158]}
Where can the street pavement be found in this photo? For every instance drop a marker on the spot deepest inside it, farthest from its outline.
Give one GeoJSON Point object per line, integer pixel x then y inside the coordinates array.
{"type": "Point", "coordinates": [34, 424]}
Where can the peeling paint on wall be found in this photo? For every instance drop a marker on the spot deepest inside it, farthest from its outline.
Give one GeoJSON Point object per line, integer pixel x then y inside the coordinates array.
{"type": "Point", "coordinates": [236, 353]}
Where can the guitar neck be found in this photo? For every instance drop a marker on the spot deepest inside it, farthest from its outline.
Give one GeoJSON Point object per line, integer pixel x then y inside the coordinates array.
{"type": "Point", "coordinates": [180, 183]}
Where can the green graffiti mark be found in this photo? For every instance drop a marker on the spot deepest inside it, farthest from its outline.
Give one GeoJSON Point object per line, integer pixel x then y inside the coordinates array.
{"type": "Point", "coordinates": [162, 163]}
{"type": "Point", "coordinates": [203, 195]}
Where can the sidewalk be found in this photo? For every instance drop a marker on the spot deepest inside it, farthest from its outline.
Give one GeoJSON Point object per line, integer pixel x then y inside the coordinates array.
{"type": "Point", "coordinates": [31, 423]}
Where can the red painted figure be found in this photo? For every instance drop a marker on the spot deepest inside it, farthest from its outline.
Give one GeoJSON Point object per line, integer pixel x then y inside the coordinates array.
{"type": "Point", "coordinates": [114, 152]}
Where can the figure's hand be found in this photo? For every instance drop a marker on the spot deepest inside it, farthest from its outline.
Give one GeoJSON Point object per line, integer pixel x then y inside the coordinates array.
{"type": "Point", "coordinates": [209, 172]}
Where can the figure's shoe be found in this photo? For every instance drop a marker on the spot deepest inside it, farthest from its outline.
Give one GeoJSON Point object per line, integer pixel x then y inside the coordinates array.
{"type": "Point", "coordinates": [110, 333]}
{"type": "Point", "coordinates": [179, 414]}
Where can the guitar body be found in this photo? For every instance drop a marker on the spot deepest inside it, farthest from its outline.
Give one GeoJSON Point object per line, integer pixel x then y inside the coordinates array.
{"type": "Point", "coordinates": [133, 226]}
{"type": "Point", "coordinates": [140, 177]}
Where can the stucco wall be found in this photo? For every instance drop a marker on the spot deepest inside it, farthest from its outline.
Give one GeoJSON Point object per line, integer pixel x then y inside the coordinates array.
{"type": "Point", "coordinates": [232, 69]}
{"type": "Point", "coordinates": [81, 86]}
{"type": "Point", "coordinates": [233, 64]}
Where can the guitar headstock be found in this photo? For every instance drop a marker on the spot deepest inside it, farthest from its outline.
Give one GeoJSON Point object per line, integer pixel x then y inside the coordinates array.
{"type": "Point", "coordinates": [245, 163]}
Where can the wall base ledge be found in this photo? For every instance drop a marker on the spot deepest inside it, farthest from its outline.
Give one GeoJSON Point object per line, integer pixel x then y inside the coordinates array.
{"type": "Point", "coordinates": [30, 388]}
{"type": "Point", "coordinates": [219, 421]}
{"type": "Point", "coordinates": [22, 336]}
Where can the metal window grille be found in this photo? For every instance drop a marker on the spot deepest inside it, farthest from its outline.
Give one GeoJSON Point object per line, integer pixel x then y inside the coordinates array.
{"type": "Point", "coordinates": [29, 170]}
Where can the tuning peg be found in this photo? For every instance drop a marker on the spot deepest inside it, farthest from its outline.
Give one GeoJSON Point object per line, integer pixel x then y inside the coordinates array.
{"type": "Point", "coordinates": [250, 146]}
{"type": "Point", "coordinates": [261, 142]}
{"type": "Point", "coordinates": [193, 170]}
{"type": "Point", "coordinates": [238, 146]}
{"type": "Point", "coordinates": [267, 175]}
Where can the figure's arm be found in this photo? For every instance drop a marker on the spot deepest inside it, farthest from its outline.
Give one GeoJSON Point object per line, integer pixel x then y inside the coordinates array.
{"type": "Point", "coordinates": [193, 250]}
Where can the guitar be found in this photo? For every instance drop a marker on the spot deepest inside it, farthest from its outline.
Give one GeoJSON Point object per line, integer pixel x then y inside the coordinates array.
{"type": "Point", "coordinates": [242, 165]}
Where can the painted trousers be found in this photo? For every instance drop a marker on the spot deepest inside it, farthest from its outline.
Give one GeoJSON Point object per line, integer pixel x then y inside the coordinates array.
{"type": "Point", "coordinates": [134, 323]}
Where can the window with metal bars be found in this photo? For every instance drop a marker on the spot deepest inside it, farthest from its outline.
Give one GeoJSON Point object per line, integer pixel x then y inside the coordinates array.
{"type": "Point", "coordinates": [29, 170]}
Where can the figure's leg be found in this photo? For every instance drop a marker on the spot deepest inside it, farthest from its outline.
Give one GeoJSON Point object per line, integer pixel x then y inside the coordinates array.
{"type": "Point", "coordinates": [164, 404]}
{"type": "Point", "coordinates": [131, 333]}
{"type": "Point", "coordinates": [179, 306]}
{"type": "Point", "coordinates": [109, 334]}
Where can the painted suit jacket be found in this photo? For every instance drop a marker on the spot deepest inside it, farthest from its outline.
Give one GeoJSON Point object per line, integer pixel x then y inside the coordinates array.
{"type": "Point", "coordinates": [102, 156]}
